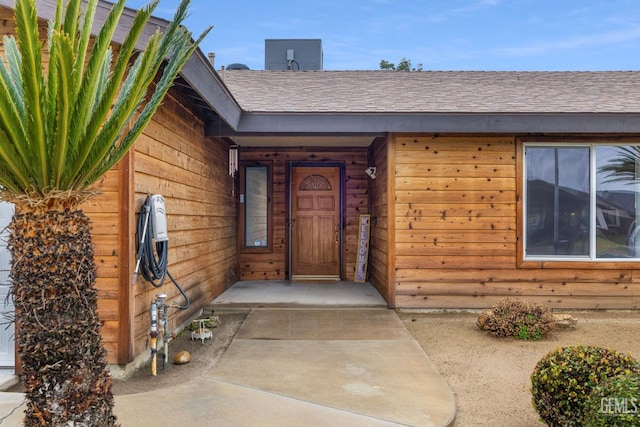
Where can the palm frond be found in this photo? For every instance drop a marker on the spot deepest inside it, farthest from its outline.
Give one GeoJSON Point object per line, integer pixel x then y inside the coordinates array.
{"type": "Point", "coordinates": [92, 110]}
{"type": "Point", "coordinates": [12, 115]}
{"type": "Point", "coordinates": [103, 78]}
{"type": "Point", "coordinates": [64, 117]}
{"type": "Point", "coordinates": [71, 18]}
{"type": "Point", "coordinates": [33, 83]}
{"type": "Point", "coordinates": [51, 84]}
{"type": "Point", "coordinates": [11, 89]}
{"type": "Point", "coordinates": [183, 50]}
{"type": "Point", "coordinates": [84, 38]}
{"type": "Point", "coordinates": [7, 178]}
{"type": "Point", "coordinates": [136, 84]}
{"type": "Point", "coordinates": [62, 130]}
{"type": "Point", "coordinates": [174, 42]}
{"type": "Point", "coordinates": [14, 62]}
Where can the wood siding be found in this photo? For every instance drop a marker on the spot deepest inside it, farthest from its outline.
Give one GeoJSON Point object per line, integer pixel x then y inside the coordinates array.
{"type": "Point", "coordinates": [173, 158]}
{"type": "Point", "coordinates": [272, 265]}
{"type": "Point", "coordinates": [456, 239]}
{"type": "Point", "coordinates": [380, 245]}
{"type": "Point", "coordinates": [104, 212]}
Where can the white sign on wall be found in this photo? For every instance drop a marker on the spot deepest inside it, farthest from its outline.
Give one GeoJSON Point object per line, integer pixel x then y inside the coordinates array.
{"type": "Point", "coordinates": [364, 228]}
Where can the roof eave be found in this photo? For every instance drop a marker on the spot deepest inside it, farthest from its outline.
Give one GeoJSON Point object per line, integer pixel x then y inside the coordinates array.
{"type": "Point", "coordinates": [368, 123]}
{"type": "Point", "coordinates": [197, 72]}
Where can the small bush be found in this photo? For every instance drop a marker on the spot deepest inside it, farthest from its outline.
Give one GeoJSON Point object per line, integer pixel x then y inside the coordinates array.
{"type": "Point", "coordinates": [614, 402]}
{"type": "Point", "coordinates": [564, 378]}
{"type": "Point", "coordinates": [525, 320]}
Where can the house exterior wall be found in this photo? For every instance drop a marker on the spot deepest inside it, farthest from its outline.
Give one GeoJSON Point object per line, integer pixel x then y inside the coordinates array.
{"type": "Point", "coordinates": [104, 211]}
{"type": "Point", "coordinates": [173, 158]}
{"type": "Point", "coordinates": [457, 232]}
{"type": "Point", "coordinates": [380, 247]}
{"type": "Point", "coordinates": [272, 264]}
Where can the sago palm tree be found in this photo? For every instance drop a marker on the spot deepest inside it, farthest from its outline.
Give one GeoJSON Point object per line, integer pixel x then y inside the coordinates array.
{"type": "Point", "coordinates": [69, 110]}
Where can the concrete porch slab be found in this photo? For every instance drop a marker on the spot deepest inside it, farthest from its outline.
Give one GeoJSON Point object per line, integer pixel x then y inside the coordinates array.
{"type": "Point", "coordinates": [284, 293]}
{"type": "Point", "coordinates": [360, 361]}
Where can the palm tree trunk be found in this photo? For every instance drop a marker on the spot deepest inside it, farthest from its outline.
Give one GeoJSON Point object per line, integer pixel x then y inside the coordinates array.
{"type": "Point", "coordinates": [58, 330]}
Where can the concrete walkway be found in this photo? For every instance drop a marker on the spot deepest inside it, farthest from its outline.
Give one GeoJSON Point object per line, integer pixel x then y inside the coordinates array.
{"type": "Point", "coordinates": [300, 367]}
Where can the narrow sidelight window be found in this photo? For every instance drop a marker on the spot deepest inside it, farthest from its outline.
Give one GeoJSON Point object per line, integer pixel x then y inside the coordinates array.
{"type": "Point", "coordinates": [256, 207]}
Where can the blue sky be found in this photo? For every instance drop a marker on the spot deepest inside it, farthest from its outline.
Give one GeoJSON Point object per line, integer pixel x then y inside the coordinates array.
{"type": "Point", "coordinates": [511, 35]}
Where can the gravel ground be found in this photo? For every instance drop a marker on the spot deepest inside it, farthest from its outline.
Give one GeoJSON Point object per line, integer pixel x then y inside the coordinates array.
{"type": "Point", "coordinates": [490, 376]}
{"type": "Point", "coordinates": [204, 356]}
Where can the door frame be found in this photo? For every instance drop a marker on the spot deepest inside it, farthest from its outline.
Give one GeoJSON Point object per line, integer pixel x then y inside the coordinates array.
{"type": "Point", "coordinates": [288, 223]}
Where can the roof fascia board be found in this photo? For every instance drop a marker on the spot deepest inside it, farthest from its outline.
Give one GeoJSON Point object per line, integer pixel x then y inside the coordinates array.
{"type": "Point", "coordinates": [202, 78]}
{"type": "Point", "coordinates": [465, 123]}
{"type": "Point", "coordinates": [46, 8]}
{"type": "Point", "coordinates": [198, 72]}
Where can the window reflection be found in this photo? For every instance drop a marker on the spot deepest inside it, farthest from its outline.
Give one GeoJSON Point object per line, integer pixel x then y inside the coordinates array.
{"type": "Point", "coordinates": [616, 201]}
{"type": "Point", "coordinates": [256, 206]}
{"type": "Point", "coordinates": [566, 217]}
{"type": "Point", "coordinates": [557, 201]}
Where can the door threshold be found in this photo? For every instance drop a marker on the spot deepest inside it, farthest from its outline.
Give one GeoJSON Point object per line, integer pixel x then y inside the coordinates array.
{"type": "Point", "coordinates": [315, 278]}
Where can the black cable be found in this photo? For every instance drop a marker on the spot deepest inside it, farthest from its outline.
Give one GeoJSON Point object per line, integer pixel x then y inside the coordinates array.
{"type": "Point", "coordinates": [154, 268]}
{"type": "Point", "coordinates": [291, 61]}
{"type": "Point", "coordinates": [180, 307]}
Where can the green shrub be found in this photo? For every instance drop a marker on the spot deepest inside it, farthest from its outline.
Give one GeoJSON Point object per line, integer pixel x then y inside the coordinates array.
{"type": "Point", "coordinates": [614, 402]}
{"type": "Point", "coordinates": [564, 378]}
{"type": "Point", "coordinates": [526, 320]}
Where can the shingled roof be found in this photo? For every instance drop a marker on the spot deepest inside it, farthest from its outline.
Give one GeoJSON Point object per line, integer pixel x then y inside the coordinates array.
{"type": "Point", "coordinates": [378, 102]}
{"type": "Point", "coordinates": [434, 91]}
{"type": "Point", "coordinates": [262, 103]}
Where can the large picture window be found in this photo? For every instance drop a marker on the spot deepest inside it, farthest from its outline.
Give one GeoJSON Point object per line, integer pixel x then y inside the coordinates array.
{"type": "Point", "coordinates": [581, 202]}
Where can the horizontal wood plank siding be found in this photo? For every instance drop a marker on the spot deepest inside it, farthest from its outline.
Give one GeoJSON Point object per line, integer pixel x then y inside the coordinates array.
{"type": "Point", "coordinates": [173, 158]}
{"type": "Point", "coordinates": [272, 265]}
{"type": "Point", "coordinates": [104, 211]}
{"type": "Point", "coordinates": [379, 242]}
{"type": "Point", "coordinates": [456, 241]}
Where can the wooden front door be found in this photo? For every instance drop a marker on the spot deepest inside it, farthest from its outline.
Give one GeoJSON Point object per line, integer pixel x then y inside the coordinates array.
{"type": "Point", "coordinates": [315, 223]}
